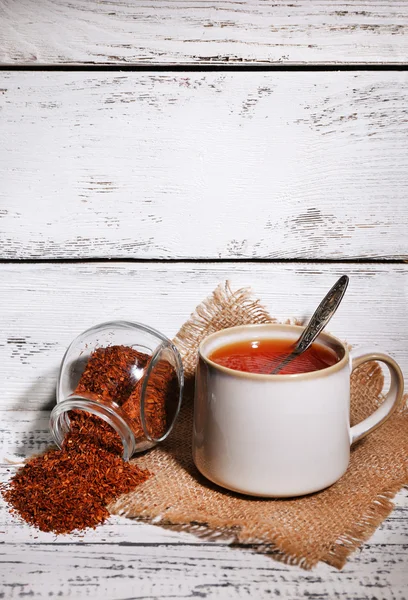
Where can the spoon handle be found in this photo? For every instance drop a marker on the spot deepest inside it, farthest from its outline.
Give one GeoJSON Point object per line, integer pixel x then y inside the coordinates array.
{"type": "Point", "coordinates": [318, 322]}
{"type": "Point", "coordinates": [322, 314]}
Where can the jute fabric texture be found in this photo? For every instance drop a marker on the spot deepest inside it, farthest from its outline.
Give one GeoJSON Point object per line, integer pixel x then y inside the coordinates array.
{"type": "Point", "coordinates": [325, 526]}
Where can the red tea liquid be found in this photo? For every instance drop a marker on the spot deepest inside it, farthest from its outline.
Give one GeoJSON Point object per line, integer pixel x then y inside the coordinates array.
{"type": "Point", "coordinates": [261, 356]}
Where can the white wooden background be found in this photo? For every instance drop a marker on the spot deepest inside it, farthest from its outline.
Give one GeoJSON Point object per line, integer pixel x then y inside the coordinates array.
{"type": "Point", "coordinates": [133, 193]}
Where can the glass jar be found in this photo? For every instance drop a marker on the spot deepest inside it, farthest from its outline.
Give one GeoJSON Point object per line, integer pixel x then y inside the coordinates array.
{"type": "Point", "coordinates": [127, 374]}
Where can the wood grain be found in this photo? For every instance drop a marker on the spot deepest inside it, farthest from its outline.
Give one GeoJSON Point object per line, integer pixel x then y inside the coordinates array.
{"type": "Point", "coordinates": [208, 571]}
{"type": "Point", "coordinates": [126, 559]}
{"type": "Point", "coordinates": [204, 165]}
{"type": "Point", "coordinates": [46, 306]}
{"type": "Point", "coordinates": [193, 165]}
{"type": "Point", "coordinates": [222, 32]}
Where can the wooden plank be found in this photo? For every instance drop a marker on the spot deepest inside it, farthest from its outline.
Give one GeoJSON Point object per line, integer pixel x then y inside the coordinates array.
{"type": "Point", "coordinates": [125, 559]}
{"type": "Point", "coordinates": [179, 571]}
{"type": "Point", "coordinates": [51, 303]}
{"type": "Point", "coordinates": [204, 165]}
{"type": "Point", "coordinates": [46, 306]}
{"type": "Point", "coordinates": [169, 31]}
{"type": "Point", "coordinates": [207, 571]}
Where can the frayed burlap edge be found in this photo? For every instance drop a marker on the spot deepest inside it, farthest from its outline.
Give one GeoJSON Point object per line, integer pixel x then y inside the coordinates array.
{"type": "Point", "coordinates": [207, 318]}
{"type": "Point", "coordinates": [381, 506]}
{"type": "Point", "coordinates": [203, 321]}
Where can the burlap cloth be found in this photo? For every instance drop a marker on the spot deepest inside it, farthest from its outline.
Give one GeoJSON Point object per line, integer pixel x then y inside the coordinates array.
{"type": "Point", "coordinates": [326, 526]}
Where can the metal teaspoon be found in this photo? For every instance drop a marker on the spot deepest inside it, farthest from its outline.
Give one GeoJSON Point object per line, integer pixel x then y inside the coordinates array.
{"type": "Point", "coordinates": [318, 322]}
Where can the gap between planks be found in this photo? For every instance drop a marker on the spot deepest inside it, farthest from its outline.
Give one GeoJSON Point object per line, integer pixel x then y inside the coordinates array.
{"type": "Point", "coordinates": [205, 261]}
{"type": "Point", "coordinates": [208, 67]}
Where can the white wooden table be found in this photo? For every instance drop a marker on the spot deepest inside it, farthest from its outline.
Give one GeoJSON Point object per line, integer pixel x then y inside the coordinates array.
{"type": "Point", "coordinates": [149, 151]}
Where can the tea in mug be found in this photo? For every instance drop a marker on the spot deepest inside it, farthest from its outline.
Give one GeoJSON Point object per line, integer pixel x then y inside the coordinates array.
{"type": "Point", "coordinates": [262, 355]}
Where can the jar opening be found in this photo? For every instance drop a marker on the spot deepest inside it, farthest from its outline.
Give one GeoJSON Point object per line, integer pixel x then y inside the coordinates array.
{"type": "Point", "coordinates": [80, 410]}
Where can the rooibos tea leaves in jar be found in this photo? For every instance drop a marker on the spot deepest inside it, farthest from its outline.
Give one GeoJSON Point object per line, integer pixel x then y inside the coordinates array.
{"type": "Point", "coordinates": [116, 373]}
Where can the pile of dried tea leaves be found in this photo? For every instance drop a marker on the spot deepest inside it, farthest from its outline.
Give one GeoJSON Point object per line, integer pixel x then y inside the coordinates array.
{"type": "Point", "coordinates": [68, 489]}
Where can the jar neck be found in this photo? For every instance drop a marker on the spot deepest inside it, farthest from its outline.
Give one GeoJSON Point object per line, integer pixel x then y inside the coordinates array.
{"type": "Point", "coordinates": [60, 422]}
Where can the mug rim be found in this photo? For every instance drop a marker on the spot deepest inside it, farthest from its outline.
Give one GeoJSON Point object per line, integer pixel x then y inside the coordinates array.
{"type": "Point", "coordinates": [269, 376]}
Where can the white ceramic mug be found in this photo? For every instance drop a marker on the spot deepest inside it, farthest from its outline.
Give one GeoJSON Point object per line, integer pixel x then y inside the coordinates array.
{"type": "Point", "coordinates": [279, 435]}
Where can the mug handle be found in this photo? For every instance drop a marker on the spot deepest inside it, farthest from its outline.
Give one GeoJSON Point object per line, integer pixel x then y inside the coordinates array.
{"type": "Point", "coordinates": [392, 400]}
